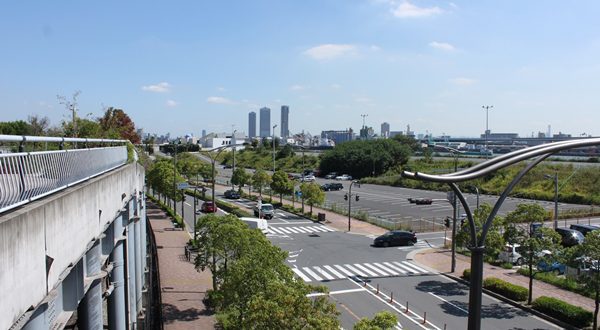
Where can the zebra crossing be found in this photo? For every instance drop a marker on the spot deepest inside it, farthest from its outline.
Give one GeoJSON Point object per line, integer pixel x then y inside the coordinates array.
{"type": "Point", "coordinates": [419, 245]}
{"type": "Point", "coordinates": [370, 270]}
{"type": "Point", "coordinates": [281, 230]}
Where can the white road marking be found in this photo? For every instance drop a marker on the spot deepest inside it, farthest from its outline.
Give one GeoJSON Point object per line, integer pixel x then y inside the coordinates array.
{"type": "Point", "coordinates": [302, 276]}
{"type": "Point", "coordinates": [335, 292]}
{"type": "Point", "coordinates": [365, 269]}
{"type": "Point", "coordinates": [451, 304]}
{"type": "Point", "coordinates": [311, 273]}
{"type": "Point", "coordinates": [322, 272]}
{"type": "Point", "coordinates": [387, 269]}
{"type": "Point", "coordinates": [344, 270]}
{"type": "Point", "coordinates": [333, 271]}
{"type": "Point", "coordinates": [394, 267]}
{"type": "Point", "coordinates": [376, 269]}
{"type": "Point", "coordinates": [415, 266]}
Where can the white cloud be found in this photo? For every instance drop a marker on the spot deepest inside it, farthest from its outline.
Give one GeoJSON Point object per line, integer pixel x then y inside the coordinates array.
{"type": "Point", "coordinates": [408, 10]}
{"type": "Point", "coordinates": [329, 51]}
{"type": "Point", "coordinates": [171, 103]}
{"type": "Point", "coordinates": [221, 89]}
{"type": "Point", "coordinates": [162, 87]}
{"type": "Point", "coordinates": [375, 48]}
{"type": "Point", "coordinates": [219, 100]}
{"type": "Point", "coordinates": [297, 87]}
{"type": "Point", "coordinates": [442, 46]}
{"type": "Point", "coordinates": [462, 81]}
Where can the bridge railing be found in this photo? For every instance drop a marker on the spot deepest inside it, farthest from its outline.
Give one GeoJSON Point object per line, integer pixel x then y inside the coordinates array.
{"type": "Point", "coordinates": [27, 176]}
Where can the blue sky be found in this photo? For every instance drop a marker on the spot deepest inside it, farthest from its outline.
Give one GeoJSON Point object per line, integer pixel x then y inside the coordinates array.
{"type": "Point", "coordinates": [184, 66]}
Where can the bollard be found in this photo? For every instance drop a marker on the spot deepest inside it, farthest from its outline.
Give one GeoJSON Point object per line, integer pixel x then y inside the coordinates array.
{"type": "Point", "coordinates": [365, 283]}
{"type": "Point", "coordinates": [392, 297]}
{"type": "Point", "coordinates": [444, 326]}
{"type": "Point", "coordinates": [406, 307]}
{"type": "Point", "coordinates": [424, 317]}
{"type": "Point", "coordinates": [377, 288]}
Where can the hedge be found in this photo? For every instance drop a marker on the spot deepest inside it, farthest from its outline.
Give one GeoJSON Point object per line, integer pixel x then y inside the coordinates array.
{"type": "Point", "coordinates": [563, 311]}
{"type": "Point", "coordinates": [467, 274]}
{"type": "Point", "coordinates": [509, 290]}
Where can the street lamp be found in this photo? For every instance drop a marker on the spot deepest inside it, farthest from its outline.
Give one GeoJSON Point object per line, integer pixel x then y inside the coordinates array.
{"type": "Point", "coordinates": [233, 149]}
{"type": "Point", "coordinates": [175, 145]}
{"type": "Point", "coordinates": [213, 159]}
{"type": "Point", "coordinates": [555, 179]}
{"type": "Point", "coordinates": [273, 140]}
{"type": "Point", "coordinates": [349, 197]}
{"type": "Point", "coordinates": [487, 109]}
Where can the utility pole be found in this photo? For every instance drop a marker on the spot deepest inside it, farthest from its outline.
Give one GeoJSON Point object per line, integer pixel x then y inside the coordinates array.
{"type": "Point", "coordinates": [487, 109]}
{"type": "Point", "coordinates": [72, 107]}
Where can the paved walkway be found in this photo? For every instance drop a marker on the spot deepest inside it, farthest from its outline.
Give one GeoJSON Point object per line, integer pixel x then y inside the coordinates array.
{"type": "Point", "coordinates": [183, 288]}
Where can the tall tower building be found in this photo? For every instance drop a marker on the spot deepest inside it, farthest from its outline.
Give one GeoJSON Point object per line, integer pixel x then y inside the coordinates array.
{"type": "Point", "coordinates": [285, 111]}
{"type": "Point", "coordinates": [252, 124]}
{"type": "Point", "coordinates": [265, 122]}
{"type": "Point", "coordinates": [385, 130]}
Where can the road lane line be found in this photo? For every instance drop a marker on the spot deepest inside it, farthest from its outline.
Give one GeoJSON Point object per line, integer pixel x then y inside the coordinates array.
{"type": "Point", "coordinates": [366, 270]}
{"type": "Point", "coordinates": [412, 271]}
{"type": "Point", "coordinates": [451, 304]}
{"type": "Point", "coordinates": [329, 228]}
{"type": "Point", "coordinates": [318, 228]}
{"type": "Point", "coordinates": [324, 273]}
{"type": "Point", "coordinates": [415, 267]}
{"type": "Point", "coordinates": [283, 229]}
{"type": "Point", "coordinates": [376, 269]}
{"type": "Point", "coordinates": [292, 229]}
{"type": "Point", "coordinates": [394, 267]}
{"type": "Point", "coordinates": [387, 269]}
{"type": "Point", "coordinates": [333, 271]}
{"type": "Point", "coordinates": [344, 270]}
{"type": "Point", "coordinates": [356, 271]}
{"type": "Point", "coordinates": [302, 276]}
{"type": "Point", "coordinates": [311, 273]}
{"type": "Point", "coordinates": [301, 229]}
{"type": "Point", "coordinates": [317, 294]}
{"type": "Point", "coordinates": [275, 230]}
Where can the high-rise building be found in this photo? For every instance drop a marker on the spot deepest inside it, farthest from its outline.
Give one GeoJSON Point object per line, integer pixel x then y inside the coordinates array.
{"type": "Point", "coordinates": [203, 133]}
{"type": "Point", "coordinates": [285, 111]}
{"type": "Point", "coordinates": [385, 130]}
{"type": "Point", "coordinates": [265, 122]}
{"type": "Point", "coordinates": [252, 124]}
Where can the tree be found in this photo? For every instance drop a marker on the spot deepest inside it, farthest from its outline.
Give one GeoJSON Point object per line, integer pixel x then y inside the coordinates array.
{"type": "Point", "coordinates": [18, 127]}
{"type": "Point", "coordinates": [590, 252]}
{"type": "Point", "coordinates": [281, 184]}
{"type": "Point", "coordinates": [494, 242]}
{"type": "Point", "coordinates": [160, 178]}
{"type": "Point", "coordinates": [240, 177]}
{"type": "Point", "coordinates": [190, 166]}
{"type": "Point", "coordinates": [286, 151]}
{"type": "Point", "coordinates": [38, 126]}
{"type": "Point", "coordinates": [519, 231]}
{"type": "Point", "coordinates": [408, 141]}
{"type": "Point", "coordinates": [313, 194]}
{"type": "Point", "coordinates": [116, 124]}
{"type": "Point", "coordinates": [85, 128]}
{"type": "Point", "coordinates": [381, 321]}
{"type": "Point", "coordinates": [260, 179]}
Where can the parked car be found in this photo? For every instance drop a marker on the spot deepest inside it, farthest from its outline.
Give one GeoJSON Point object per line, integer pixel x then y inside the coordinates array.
{"type": "Point", "coordinates": [512, 254]}
{"type": "Point", "coordinates": [232, 194]}
{"type": "Point", "coordinates": [423, 201]}
{"type": "Point", "coordinates": [332, 186]}
{"type": "Point", "coordinates": [266, 211]}
{"type": "Point", "coordinates": [584, 229]}
{"type": "Point", "coordinates": [343, 177]}
{"type": "Point", "coordinates": [554, 267]}
{"type": "Point", "coordinates": [331, 175]}
{"type": "Point", "coordinates": [570, 237]}
{"type": "Point", "coordinates": [396, 237]}
{"type": "Point", "coordinates": [308, 178]}
{"type": "Point", "coordinates": [227, 166]}
{"type": "Point", "coordinates": [208, 207]}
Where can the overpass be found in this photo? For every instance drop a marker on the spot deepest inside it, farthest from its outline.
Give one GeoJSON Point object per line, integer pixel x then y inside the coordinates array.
{"type": "Point", "coordinates": [73, 246]}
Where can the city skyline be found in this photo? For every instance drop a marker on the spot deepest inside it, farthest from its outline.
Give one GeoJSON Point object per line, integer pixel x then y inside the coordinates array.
{"type": "Point", "coordinates": [431, 64]}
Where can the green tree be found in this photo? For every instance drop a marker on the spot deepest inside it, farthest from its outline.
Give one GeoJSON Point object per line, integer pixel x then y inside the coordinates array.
{"type": "Point", "coordinates": [240, 177]}
{"type": "Point", "coordinates": [260, 179]}
{"type": "Point", "coordinates": [408, 141]}
{"type": "Point", "coordinates": [590, 252]}
{"type": "Point", "coordinates": [190, 166]}
{"type": "Point", "coordinates": [281, 184]}
{"type": "Point", "coordinates": [383, 320]}
{"type": "Point", "coordinates": [38, 125]}
{"type": "Point", "coordinates": [18, 127]}
{"type": "Point", "coordinates": [494, 241]}
{"type": "Point", "coordinates": [312, 194]}
{"type": "Point", "coordinates": [160, 178]}
{"type": "Point", "coordinates": [86, 128]}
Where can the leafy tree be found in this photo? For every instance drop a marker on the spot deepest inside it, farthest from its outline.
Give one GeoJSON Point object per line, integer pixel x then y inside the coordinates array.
{"type": "Point", "coordinates": [18, 127]}
{"type": "Point", "coordinates": [190, 166]}
{"type": "Point", "coordinates": [160, 178]}
{"type": "Point", "coordinates": [240, 177]}
{"type": "Point", "coordinates": [312, 193]}
{"type": "Point", "coordinates": [281, 184]}
{"type": "Point", "coordinates": [86, 128]}
{"type": "Point", "coordinates": [383, 320]}
{"type": "Point", "coordinates": [494, 242]}
{"type": "Point", "coordinates": [116, 123]}
{"type": "Point", "coordinates": [590, 250]}
{"type": "Point", "coordinates": [408, 141]}
{"type": "Point", "coordinates": [285, 152]}
{"type": "Point", "coordinates": [260, 179]}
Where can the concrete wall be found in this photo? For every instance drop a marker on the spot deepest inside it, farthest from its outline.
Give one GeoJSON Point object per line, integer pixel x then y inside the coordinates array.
{"type": "Point", "coordinates": [59, 226]}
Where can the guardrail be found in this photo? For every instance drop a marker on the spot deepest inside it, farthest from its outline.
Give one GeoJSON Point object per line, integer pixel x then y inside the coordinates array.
{"type": "Point", "coordinates": [27, 176]}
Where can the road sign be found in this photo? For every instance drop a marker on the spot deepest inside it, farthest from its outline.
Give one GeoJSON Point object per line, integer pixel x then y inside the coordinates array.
{"type": "Point", "coordinates": [183, 185]}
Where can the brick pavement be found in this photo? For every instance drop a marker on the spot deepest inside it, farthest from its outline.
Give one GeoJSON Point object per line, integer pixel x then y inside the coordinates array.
{"type": "Point", "coordinates": [183, 288]}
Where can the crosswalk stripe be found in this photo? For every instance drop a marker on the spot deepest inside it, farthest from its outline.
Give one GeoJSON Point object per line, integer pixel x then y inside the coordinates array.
{"type": "Point", "coordinates": [405, 267]}
{"type": "Point", "coordinates": [278, 231]}
{"type": "Point", "coordinates": [329, 228]}
{"type": "Point", "coordinates": [356, 271]}
{"type": "Point", "coordinates": [283, 230]}
{"type": "Point", "coordinates": [415, 267]}
{"type": "Point", "coordinates": [344, 270]}
{"type": "Point", "coordinates": [325, 274]}
{"type": "Point", "coordinates": [292, 230]}
{"type": "Point", "coordinates": [394, 267]}
{"type": "Point", "coordinates": [302, 276]}
{"type": "Point", "coordinates": [311, 273]}
{"type": "Point", "coordinates": [319, 228]}
{"type": "Point", "coordinates": [365, 269]}
{"type": "Point", "coordinates": [376, 269]}
{"type": "Point", "coordinates": [301, 229]}
{"type": "Point", "coordinates": [333, 271]}
{"type": "Point", "coordinates": [387, 269]}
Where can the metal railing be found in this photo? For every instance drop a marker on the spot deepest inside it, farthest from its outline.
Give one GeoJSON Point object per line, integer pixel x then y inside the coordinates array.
{"type": "Point", "coordinates": [27, 176]}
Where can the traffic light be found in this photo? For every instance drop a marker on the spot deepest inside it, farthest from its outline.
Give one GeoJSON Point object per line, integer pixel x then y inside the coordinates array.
{"type": "Point", "coordinates": [447, 222]}
{"type": "Point", "coordinates": [357, 198]}
{"type": "Point", "coordinates": [346, 197]}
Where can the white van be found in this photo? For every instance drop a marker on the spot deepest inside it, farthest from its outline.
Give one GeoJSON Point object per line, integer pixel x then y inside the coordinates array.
{"type": "Point", "coordinates": [256, 223]}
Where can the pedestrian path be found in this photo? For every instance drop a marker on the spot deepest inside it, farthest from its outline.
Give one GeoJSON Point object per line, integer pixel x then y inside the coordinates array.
{"type": "Point", "coordinates": [285, 230]}
{"type": "Point", "coordinates": [418, 245]}
{"type": "Point", "coordinates": [370, 270]}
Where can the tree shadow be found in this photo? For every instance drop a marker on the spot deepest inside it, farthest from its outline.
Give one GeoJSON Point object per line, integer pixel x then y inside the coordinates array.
{"type": "Point", "coordinates": [443, 288]}
{"type": "Point", "coordinates": [491, 311]}
{"type": "Point", "coordinates": [171, 313]}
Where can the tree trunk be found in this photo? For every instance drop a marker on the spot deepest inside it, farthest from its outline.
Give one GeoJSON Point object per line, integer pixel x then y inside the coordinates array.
{"type": "Point", "coordinates": [281, 199]}
{"type": "Point", "coordinates": [214, 271]}
{"type": "Point", "coordinates": [530, 294]}
{"type": "Point", "coordinates": [597, 303]}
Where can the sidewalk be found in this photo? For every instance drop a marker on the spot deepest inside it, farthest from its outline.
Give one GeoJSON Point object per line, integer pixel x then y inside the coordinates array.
{"type": "Point", "coordinates": [183, 288]}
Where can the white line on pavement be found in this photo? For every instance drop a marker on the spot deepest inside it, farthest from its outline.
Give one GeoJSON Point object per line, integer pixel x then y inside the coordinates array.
{"type": "Point", "coordinates": [451, 304]}
{"type": "Point", "coordinates": [335, 292]}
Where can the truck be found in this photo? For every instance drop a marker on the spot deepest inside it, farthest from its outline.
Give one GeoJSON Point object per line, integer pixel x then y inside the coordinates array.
{"type": "Point", "coordinates": [255, 223]}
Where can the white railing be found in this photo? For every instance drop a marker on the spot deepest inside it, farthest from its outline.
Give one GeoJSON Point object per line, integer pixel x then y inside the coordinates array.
{"type": "Point", "coordinates": [27, 176]}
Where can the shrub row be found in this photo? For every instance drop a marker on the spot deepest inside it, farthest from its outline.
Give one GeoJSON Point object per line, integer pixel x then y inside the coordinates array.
{"type": "Point", "coordinates": [565, 283]}
{"type": "Point", "coordinates": [509, 290]}
{"type": "Point", "coordinates": [178, 219]}
{"type": "Point", "coordinates": [573, 315]}
{"type": "Point", "coordinates": [467, 274]}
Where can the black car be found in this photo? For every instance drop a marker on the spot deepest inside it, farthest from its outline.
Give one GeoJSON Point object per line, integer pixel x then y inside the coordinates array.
{"type": "Point", "coordinates": [396, 237]}
{"type": "Point", "coordinates": [332, 186]}
{"type": "Point", "coordinates": [584, 229]}
{"type": "Point", "coordinates": [232, 194]}
{"type": "Point", "coordinates": [570, 237]}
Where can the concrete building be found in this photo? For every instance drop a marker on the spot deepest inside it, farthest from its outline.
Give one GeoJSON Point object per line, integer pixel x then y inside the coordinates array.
{"type": "Point", "coordinates": [265, 122]}
{"type": "Point", "coordinates": [252, 124]}
{"type": "Point", "coordinates": [285, 111]}
{"type": "Point", "coordinates": [338, 136]}
{"type": "Point", "coordinates": [385, 130]}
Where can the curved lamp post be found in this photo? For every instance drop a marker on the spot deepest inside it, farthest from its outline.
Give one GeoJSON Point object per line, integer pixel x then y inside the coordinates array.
{"type": "Point", "coordinates": [477, 244]}
{"type": "Point", "coordinates": [213, 159]}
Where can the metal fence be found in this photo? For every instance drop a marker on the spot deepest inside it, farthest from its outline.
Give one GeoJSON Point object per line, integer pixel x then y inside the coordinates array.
{"type": "Point", "coordinates": [27, 176]}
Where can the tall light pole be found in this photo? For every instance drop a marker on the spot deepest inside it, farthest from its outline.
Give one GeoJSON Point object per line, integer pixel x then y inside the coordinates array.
{"type": "Point", "coordinates": [213, 160]}
{"type": "Point", "coordinates": [233, 149]}
{"type": "Point", "coordinates": [175, 179]}
{"type": "Point", "coordinates": [487, 110]}
{"type": "Point", "coordinates": [273, 140]}
{"type": "Point", "coordinates": [350, 201]}
{"type": "Point", "coordinates": [555, 179]}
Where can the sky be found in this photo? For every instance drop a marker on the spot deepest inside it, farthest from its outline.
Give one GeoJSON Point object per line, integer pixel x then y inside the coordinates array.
{"type": "Point", "coordinates": [180, 67]}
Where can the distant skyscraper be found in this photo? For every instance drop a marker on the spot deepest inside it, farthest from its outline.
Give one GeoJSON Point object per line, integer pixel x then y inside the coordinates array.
{"type": "Point", "coordinates": [203, 133]}
{"type": "Point", "coordinates": [285, 111]}
{"type": "Point", "coordinates": [265, 122]}
{"type": "Point", "coordinates": [385, 130]}
{"type": "Point", "coordinates": [252, 124]}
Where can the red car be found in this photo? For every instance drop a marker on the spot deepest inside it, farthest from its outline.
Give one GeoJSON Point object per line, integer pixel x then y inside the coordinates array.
{"type": "Point", "coordinates": [208, 207]}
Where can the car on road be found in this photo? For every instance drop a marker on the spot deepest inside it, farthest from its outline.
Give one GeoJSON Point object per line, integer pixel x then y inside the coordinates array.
{"type": "Point", "coordinates": [423, 201]}
{"type": "Point", "coordinates": [308, 178]}
{"type": "Point", "coordinates": [332, 186]}
{"type": "Point", "coordinates": [266, 211]}
{"type": "Point", "coordinates": [570, 237]}
{"type": "Point", "coordinates": [232, 194]}
{"type": "Point", "coordinates": [396, 237]}
{"type": "Point", "coordinates": [227, 166]}
{"type": "Point", "coordinates": [343, 177]}
{"type": "Point", "coordinates": [331, 175]}
{"type": "Point", "coordinates": [208, 207]}
{"type": "Point", "coordinates": [584, 229]}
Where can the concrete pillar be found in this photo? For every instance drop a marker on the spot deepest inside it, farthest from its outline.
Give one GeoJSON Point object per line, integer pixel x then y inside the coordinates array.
{"type": "Point", "coordinates": [38, 320]}
{"type": "Point", "coordinates": [90, 308]}
{"type": "Point", "coordinates": [117, 308]}
{"type": "Point", "coordinates": [138, 264]}
{"type": "Point", "coordinates": [131, 270]}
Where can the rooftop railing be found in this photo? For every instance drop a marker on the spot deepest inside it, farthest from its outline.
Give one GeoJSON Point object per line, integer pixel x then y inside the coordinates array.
{"type": "Point", "coordinates": [27, 176]}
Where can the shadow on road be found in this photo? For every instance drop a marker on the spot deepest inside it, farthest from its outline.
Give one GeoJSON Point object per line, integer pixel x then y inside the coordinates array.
{"type": "Point", "coordinates": [490, 311]}
{"type": "Point", "coordinates": [171, 313]}
{"type": "Point", "coordinates": [442, 289]}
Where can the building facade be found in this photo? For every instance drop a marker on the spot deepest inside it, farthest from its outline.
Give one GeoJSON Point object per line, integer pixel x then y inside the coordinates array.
{"type": "Point", "coordinates": [338, 136]}
{"type": "Point", "coordinates": [252, 124]}
{"type": "Point", "coordinates": [385, 130]}
{"type": "Point", "coordinates": [265, 122]}
{"type": "Point", "coordinates": [285, 112]}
